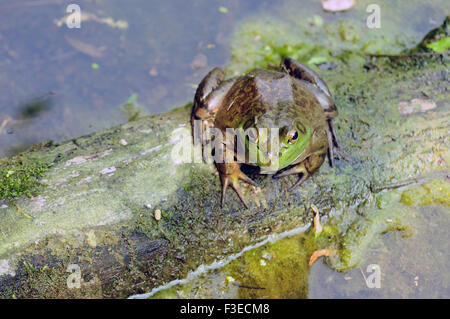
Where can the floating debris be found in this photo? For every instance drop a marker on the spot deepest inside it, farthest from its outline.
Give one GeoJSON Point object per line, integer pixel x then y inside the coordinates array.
{"type": "Point", "coordinates": [85, 48]}
{"type": "Point", "coordinates": [200, 61]}
{"type": "Point", "coordinates": [123, 142]}
{"type": "Point", "coordinates": [337, 5]}
{"type": "Point", "coordinates": [11, 121]}
{"type": "Point", "coordinates": [157, 214]}
{"type": "Point", "coordinates": [87, 16]}
{"type": "Point", "coordinates": [223, 9]}
{"type": "Point", "coordinates": [153, 72]}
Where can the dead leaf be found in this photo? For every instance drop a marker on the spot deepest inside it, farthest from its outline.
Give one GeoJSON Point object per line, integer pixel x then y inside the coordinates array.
{"type": "Point", "coordinates": [337, 5]}
{"type": "Point", "coordinates": [319, 253]}
{"type": "Point", "coordinates": [85, 48]}
{"type": "Point", "coordinates": [316, 221]}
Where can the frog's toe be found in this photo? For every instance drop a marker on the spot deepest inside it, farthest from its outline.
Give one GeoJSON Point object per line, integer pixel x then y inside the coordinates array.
{"type": "Point", "coordinates": [297, 169]}
{"type": "Point", "coordinates": [228, 180]}
{"type": "Point", "coordinates": [330, 148]}
{"type": "Point", "coordinates": [232, 178]}
{"type": "Point", "coordinates": [302, 178]}
{"type": "Point", "coordinates": [339, 153]}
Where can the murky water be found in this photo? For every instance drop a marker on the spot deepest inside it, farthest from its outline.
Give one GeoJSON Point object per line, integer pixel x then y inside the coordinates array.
{"type": "Point", "coordinates": [59, 83]}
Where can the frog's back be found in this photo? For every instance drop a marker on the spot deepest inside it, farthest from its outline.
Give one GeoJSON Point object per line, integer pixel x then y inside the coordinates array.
{"type": "Point", "coordinates": [271, 95]}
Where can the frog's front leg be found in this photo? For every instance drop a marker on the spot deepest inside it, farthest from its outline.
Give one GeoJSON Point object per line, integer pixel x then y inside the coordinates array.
{"type": "Point", "coordinates": [230, 173]}
{"type": "Point", "coordinates": [305, 168]}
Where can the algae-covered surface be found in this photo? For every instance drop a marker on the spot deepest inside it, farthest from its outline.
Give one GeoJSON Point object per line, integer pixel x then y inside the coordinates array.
{"type": "Point", "coordinates": [91, 217]}
{"type": "Point", "coordinates": [408, 242]}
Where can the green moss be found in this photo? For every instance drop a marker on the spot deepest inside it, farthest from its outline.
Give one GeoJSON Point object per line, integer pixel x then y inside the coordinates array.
{"type": "Point", "coordinates": [433, 192]}
{"type": "Point", "coordinates": [279, 270]}
{"type": "Point", "coordinates": [19, 176]}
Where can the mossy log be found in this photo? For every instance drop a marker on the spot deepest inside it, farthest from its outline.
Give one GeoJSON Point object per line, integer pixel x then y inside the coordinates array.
{"type": "Point", "coordinates": [96, 209]}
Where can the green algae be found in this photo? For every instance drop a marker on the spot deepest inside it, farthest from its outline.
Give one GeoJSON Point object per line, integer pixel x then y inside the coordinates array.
{"type": "Point", "coordinates": [433, 192]}
{"type": "Point", "coordinates": [20, 176]}
{"type": "Point", "coordinates": [280, 269]}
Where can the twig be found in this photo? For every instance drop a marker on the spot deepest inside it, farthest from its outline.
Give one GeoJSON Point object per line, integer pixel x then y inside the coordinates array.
{"type": "Point", "coordinates": [405, 56]}
{"type": "Point", "coordinates": [248, 287]}
{"type": "Point", "coordinates": [420, 180]}
{"type": "Point", "coordinates": [364, 276]}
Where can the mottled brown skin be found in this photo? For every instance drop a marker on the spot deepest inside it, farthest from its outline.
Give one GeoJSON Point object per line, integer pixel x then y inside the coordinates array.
{"type": "Point", "coordinates": [273, 99]}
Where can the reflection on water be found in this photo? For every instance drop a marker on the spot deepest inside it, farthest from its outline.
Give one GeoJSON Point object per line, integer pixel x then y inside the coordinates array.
{"type": "Point", "coordinates": [157, 51]}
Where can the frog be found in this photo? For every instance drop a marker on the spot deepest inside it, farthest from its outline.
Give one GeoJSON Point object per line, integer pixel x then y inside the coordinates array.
{"type": "Point", "coordinates": [290, 97]}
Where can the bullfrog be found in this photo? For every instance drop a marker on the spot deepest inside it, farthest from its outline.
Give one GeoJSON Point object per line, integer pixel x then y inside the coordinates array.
{"type": "Point", "coordinates": [291, 98]}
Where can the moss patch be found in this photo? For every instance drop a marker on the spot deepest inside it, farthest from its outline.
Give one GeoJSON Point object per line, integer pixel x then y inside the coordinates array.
{"type": "Point", "coordinates": [433, 192]}
{"type": "Point", "coordinates": [20, 176]}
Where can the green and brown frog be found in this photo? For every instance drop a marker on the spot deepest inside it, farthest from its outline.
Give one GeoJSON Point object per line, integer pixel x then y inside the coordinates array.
{"type": "Point", "coordinates": [292, 98]}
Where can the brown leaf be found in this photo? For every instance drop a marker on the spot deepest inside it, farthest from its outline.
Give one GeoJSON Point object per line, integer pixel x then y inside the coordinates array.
{"type": "Point", "coordinates": [319, 253]}
{"type": "Point", "coordinates": [316, 221]}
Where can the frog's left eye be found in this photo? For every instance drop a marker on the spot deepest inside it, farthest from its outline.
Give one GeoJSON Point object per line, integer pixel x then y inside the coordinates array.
{"type": "Point", "coordinates": [292, 136]}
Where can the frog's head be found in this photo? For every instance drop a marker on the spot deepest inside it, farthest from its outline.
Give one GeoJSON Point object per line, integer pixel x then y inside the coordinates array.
{"type": "Point", "coordinates": [276, 147]}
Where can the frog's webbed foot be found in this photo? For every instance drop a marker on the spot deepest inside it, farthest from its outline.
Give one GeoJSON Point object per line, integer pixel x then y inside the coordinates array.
{"type": "Point", "coordinates": [230, 174]}
{"type": "Point", "coordinates": [297, 169]}
{"type": "Point", "coordinates": [305, 169]}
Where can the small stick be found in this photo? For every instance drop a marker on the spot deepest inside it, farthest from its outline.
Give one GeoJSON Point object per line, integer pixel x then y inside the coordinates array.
{"type": "Point", "coordinates": [405, 56]}
{"type": "Point", "coordinates": [248, 287]}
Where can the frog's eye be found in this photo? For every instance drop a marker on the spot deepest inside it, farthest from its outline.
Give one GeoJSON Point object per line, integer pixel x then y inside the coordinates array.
{"type": "Point", "coordinates": [292, 136]}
